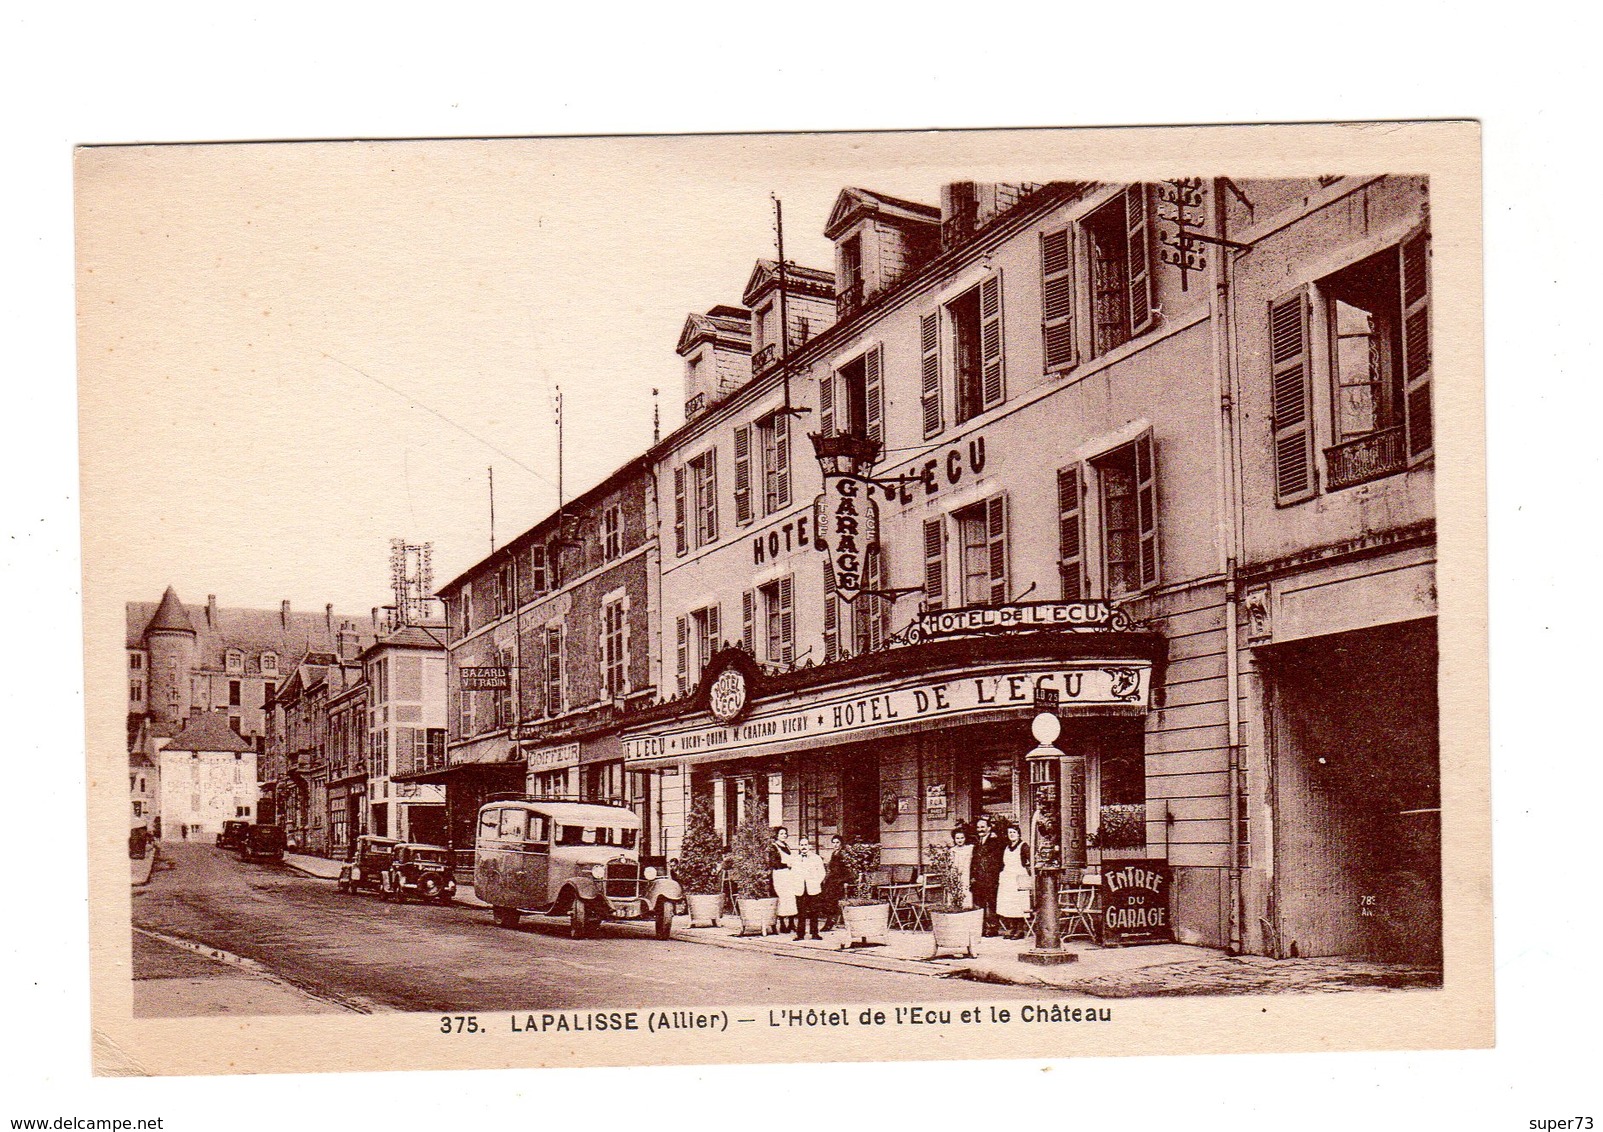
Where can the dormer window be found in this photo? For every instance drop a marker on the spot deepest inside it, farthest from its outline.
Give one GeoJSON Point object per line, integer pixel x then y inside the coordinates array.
{"type": "Point", "coordinates": [234, 660]}
{"type": "Point", "coordinates": [851, 267]}
{"type": "Point", "coordinates": [269, 662]}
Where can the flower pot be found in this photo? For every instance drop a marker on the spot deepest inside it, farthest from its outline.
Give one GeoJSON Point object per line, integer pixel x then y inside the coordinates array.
{"type": "Point", "coordinates": [705, 908]}
{"type": "Point", "coordinates": [758, 917]}
{"type": "Point", "coordinates": [957, 931]}
{"type": "Point", "coordinates": [869, 923]}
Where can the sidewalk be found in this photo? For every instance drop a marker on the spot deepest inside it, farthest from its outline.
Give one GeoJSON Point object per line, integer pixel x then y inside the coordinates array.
{"type": "Point", "coordinates": [1162, 969]}
{"type": "Point", "coordinates": [140, 868]}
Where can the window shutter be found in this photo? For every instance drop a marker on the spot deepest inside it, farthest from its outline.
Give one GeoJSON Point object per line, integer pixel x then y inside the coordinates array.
{"type": "Point", "coordinates": [714, 634]}
{"type": "Point", "coordinates": [991, 376]}
{"type": "Point", "coordinates": [682, 666]}
{"type": "Point", "coordinates": [1057, 300]}
{"type": "Point", "coordinates": [787, 622]}
{"type": "Point", "coordinates": [934, 565]}
{"type": "Point", "coordinates": [680, 544]}
{"type": "Point", "coordinates": [537, 568]}
{"type": "Point", "coordinates": [929, 332]}
{"type": "Point", "coordinates": [831, 615]}
{"type": "Point", "coordinates": [1138, 218]}
{"type": "Point", "coordinates": [874, 396]}
{"type": "Point", "coordinates": [1146, 508]}
{"type": "Point", "coordinates": [781, 428]}
{"type": "Point", "coordinates": [826, 404]}
{"type": "Point", "coordinates": [1415, 272]}
{"type": "Point", "coordinates": [1071, 542]}
{"type": "Point", "coordinates": [748, 622]}
{"type": "Point", "coordinates": [1290, 397]}
{"type": "Point", "coordinates": [743, 474]}
{"type": "Point", "coordinates": [996, 546]}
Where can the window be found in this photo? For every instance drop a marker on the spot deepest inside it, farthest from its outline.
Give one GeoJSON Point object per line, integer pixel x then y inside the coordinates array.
{"type": "Point", "coordinates": [976, 318]}
{"type": "Point", "coordinates": [704, 478]}
{"type": "Point", "coordinates": [505, 592]}
{"type": "Point", "coordinates": [1057, 300]}
{"type": "Point", "coordinates": [615, 648]}
{"type": "Point", "coordinates": [1119, 247]}
{"type": "Point", "coordinates": [467, 609]}
{"type": "Point", "coordinates": [136, 661]}
{"type": "Point", "coordinates": [697, 638]}
{"type": "Point", "coordinates": [612, 533]}
{"type": "Point", "coordinates": [1374, 317]}
{"type": "Point", "coordinates": [268, 690]}
{"type": "Point", "coordinates": [235, 660]}
{"type": "Point", "coordinates": [554, 692]}
{"type": "Point", "coordinates": [233, 693]}
{"type": "Point", "coordinates": [538, 581]}
{"type": "Point", "coordinates": [871, 614]}
{"type": "Point", "coordinates": [139, 809]}
{"type": "Point", "coordinates": [779, 622]}
{"type": "Point", "coordinates": [860, 407]}
{"type": "Point", "coordinates": [136, 691]}
{"type": "Point", "coordinates": [1127, 483]}
{"type": "Point", "coordinates": [982, 540]}
{"type": "Point", "coordinates": [774, 433]}
{"type": "Point", "coordinates": [851, 274]}
{"type": "Point", "coordinates": [514, 825]}
{"type": "Point", "coordinates": [269, 662]}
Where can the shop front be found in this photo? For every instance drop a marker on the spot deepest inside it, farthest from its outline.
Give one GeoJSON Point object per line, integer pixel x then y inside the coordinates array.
{"type": "Point", "coordinates": [899, 747]}
{"type": "Point", "coordinates": [476, 771]}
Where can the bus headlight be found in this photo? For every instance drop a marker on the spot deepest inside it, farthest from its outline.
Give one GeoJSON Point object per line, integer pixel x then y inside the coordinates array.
{"type": "Point", "coordinates": [599, 872]}
{"type": "Point", "coordinates": [650, 873]}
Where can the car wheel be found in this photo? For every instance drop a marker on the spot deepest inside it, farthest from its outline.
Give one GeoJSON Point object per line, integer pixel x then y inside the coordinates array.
{"type": "Point", "coordinates": [506, 917]}
{"type": "Point", "coordinates": [665, 914]}
{"type": "Point", "coordinates": [429, 889]}
{"type": "Point", "coordinates": [581, 921]}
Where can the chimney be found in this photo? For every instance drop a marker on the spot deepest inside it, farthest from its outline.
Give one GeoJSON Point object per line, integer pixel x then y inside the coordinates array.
{"type": "Point", "coordinates": [283, 613]}
{"type": "Point", "coordinates": [211, 611]}
{"type": "Point", "coordinates": [328, 618]}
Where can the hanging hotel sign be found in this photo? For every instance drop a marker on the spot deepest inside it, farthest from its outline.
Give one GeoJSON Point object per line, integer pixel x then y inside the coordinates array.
{"type": "Point", "coordinates": [1018, 617]}
{"type": "Point", "coordinates": [487, 678]}
{"type": "Point", "coordinates": [848, 524]}
{"type": "Point", "coordinates": [1135, 903]}
{"type": "Point", "coordinates": [839, 717]}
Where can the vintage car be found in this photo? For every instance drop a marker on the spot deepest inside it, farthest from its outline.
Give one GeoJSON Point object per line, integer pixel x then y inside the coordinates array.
{"type": "Point", "coordinates": [574, 859]}
{"type": "Point", "coordinates": [419, 870]}
{"type": "Point", "coordinates": [233, 834]}
{"type": "Point", "coordinates": [368, 863]}
{"type": "Point", "coordinates": [262, 843]}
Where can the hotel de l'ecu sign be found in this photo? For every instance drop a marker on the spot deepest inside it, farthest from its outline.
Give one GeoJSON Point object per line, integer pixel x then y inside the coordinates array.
{"type": "Point", "coordinates": [897, 703]}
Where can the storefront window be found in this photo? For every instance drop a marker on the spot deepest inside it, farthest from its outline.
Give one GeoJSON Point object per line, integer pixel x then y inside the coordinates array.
{"type": "Point", "coordinates": [996, 785]}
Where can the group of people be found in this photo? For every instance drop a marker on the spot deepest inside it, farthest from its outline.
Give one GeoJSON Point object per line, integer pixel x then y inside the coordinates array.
{"type": "Point", "coordinates": [994, 868]}
{"type": "Point", "coordinates": [809, 886]}
{"type": "Point", "coordinates": [995, 873]}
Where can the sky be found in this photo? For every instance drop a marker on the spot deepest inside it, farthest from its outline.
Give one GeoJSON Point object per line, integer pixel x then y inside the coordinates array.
{"type": "Point", "coordinates": [297, 352]}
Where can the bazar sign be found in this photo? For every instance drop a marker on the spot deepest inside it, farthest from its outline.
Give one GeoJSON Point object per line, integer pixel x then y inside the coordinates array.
{"type": "Point", "coordinates": [551, 758]}
{"type": "Point", "coordinates": [1019, 617]}
{"type": "Point", "coordinates": [1088, 684]}
{"type": "Point", "coordinates": [488, 678]}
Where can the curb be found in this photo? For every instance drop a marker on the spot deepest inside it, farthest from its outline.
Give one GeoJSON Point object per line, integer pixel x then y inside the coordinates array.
{"type": "Point", "coordinates": [819, 955]}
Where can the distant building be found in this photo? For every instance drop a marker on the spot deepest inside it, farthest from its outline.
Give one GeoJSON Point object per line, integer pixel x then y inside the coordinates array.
{"type": "Point", "coordinates": [207, 777]}
{"type": "Point", "coordinates": [403, 674]}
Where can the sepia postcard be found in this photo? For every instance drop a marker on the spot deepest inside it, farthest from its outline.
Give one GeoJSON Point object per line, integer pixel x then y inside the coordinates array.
{"type": "Point", "coordinates": [794, 597]}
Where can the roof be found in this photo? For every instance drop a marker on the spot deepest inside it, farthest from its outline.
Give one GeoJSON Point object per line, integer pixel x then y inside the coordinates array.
{"type": "Point", "coordinates": [170, 616]}
{"type": "Point", "coordinates": [408, 637]}
{"type": "Point", "coordinates": [725, 325]}
{"type": "Point", "coordinates": [854, 202]}
{"type": "Point", "coordinates": [208, 731]}
{"type": "Point", "coordinates": [799, 280]}
{"type": "Point", "coordinates": [578, 813]}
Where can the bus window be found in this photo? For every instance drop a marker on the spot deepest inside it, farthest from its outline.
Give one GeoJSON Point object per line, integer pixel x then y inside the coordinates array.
{"type": "Point", "coordinates": [589, 835]}
{"type": "Point", "coordinates": [512, 824]}
{"type": "Point", "coordinates": [537, 829]}
{"type": "Point", "coordinates": [489, 824]}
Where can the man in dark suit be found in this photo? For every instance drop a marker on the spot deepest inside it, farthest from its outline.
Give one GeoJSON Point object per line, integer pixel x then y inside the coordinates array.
{"type": "Point", "coordinates": [986, 870]}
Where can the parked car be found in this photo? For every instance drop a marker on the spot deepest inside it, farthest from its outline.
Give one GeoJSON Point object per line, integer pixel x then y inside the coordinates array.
{"type": "Point", "coordinates": [233, 834]}
{"type": "Point", "coordinates": [368, 863]}
{"type": "Point", "coordinates": [263, 843]}
{"type": "Point", "coordinates": [573, 859]}
{"type": "Point", "coordinates": [419, 870]}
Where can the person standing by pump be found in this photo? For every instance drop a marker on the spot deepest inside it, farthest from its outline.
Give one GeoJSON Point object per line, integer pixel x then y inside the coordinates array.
{"type": "Point", "coordinates": [987, 869]}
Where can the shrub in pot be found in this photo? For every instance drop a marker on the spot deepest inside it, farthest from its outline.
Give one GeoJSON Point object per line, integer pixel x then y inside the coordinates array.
{"type": "Point", "coordinates": [700, 868]}
{"type": "Point", "coordinates": [867, 918]}
{"type": "Point", "coordinates": [1121, 831]}
{"type": "Point", "coordinates": [754, 898]}
{"type": "Point", "coordinates": [956, 924]}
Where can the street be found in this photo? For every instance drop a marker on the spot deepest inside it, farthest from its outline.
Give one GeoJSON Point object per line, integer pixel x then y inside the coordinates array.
{"type": "Point", "coordinates": [362, 953]}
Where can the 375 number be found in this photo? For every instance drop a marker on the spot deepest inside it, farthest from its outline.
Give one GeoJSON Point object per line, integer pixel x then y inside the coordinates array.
{"type": "Point", "coordinates": [460, 1024]}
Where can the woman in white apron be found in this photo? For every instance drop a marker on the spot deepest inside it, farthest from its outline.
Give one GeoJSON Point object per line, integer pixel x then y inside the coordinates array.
{"type": "Point", "coordinates": [785, 886]}
{"type": "Point", "coordinates": [1013, 887]}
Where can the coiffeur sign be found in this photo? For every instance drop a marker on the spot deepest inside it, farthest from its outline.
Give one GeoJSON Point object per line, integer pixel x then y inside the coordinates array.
{"type": "Point", "coordinates": [841, 716]}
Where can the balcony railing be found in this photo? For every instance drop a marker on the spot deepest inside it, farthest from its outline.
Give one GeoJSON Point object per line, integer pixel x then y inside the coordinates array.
{"type": "Point", "coordinates": [962, 224]}
{"type": "Point", "coordinates": [765, 357]}
{"type": "Point", "coordinates": [1366, 458]}
{"type": "Point", "coordinates": [849, 298]}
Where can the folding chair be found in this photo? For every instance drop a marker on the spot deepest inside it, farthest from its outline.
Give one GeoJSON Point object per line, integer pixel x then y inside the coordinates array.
{"type": "Point", "coordinates": [1077, 907]}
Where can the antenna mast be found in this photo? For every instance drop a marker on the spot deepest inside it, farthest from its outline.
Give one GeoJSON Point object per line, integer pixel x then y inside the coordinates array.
{"type": "Point", "coordinates": [784, 317]}
{"type": "Point", "coordinates": [492, 509]}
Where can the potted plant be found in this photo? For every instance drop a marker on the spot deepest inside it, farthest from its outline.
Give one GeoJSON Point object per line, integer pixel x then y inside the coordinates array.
{"type": "Point", "coordinates": [754, 898]}
{"type": "Point", "coordinates": [700, 868]}
{"type": "Point", "coordinates": [1122, 831]}
{"type": "Point", "coordinates": [956, 923]}
{"type": "Point", "coordinates": [867, 918]}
